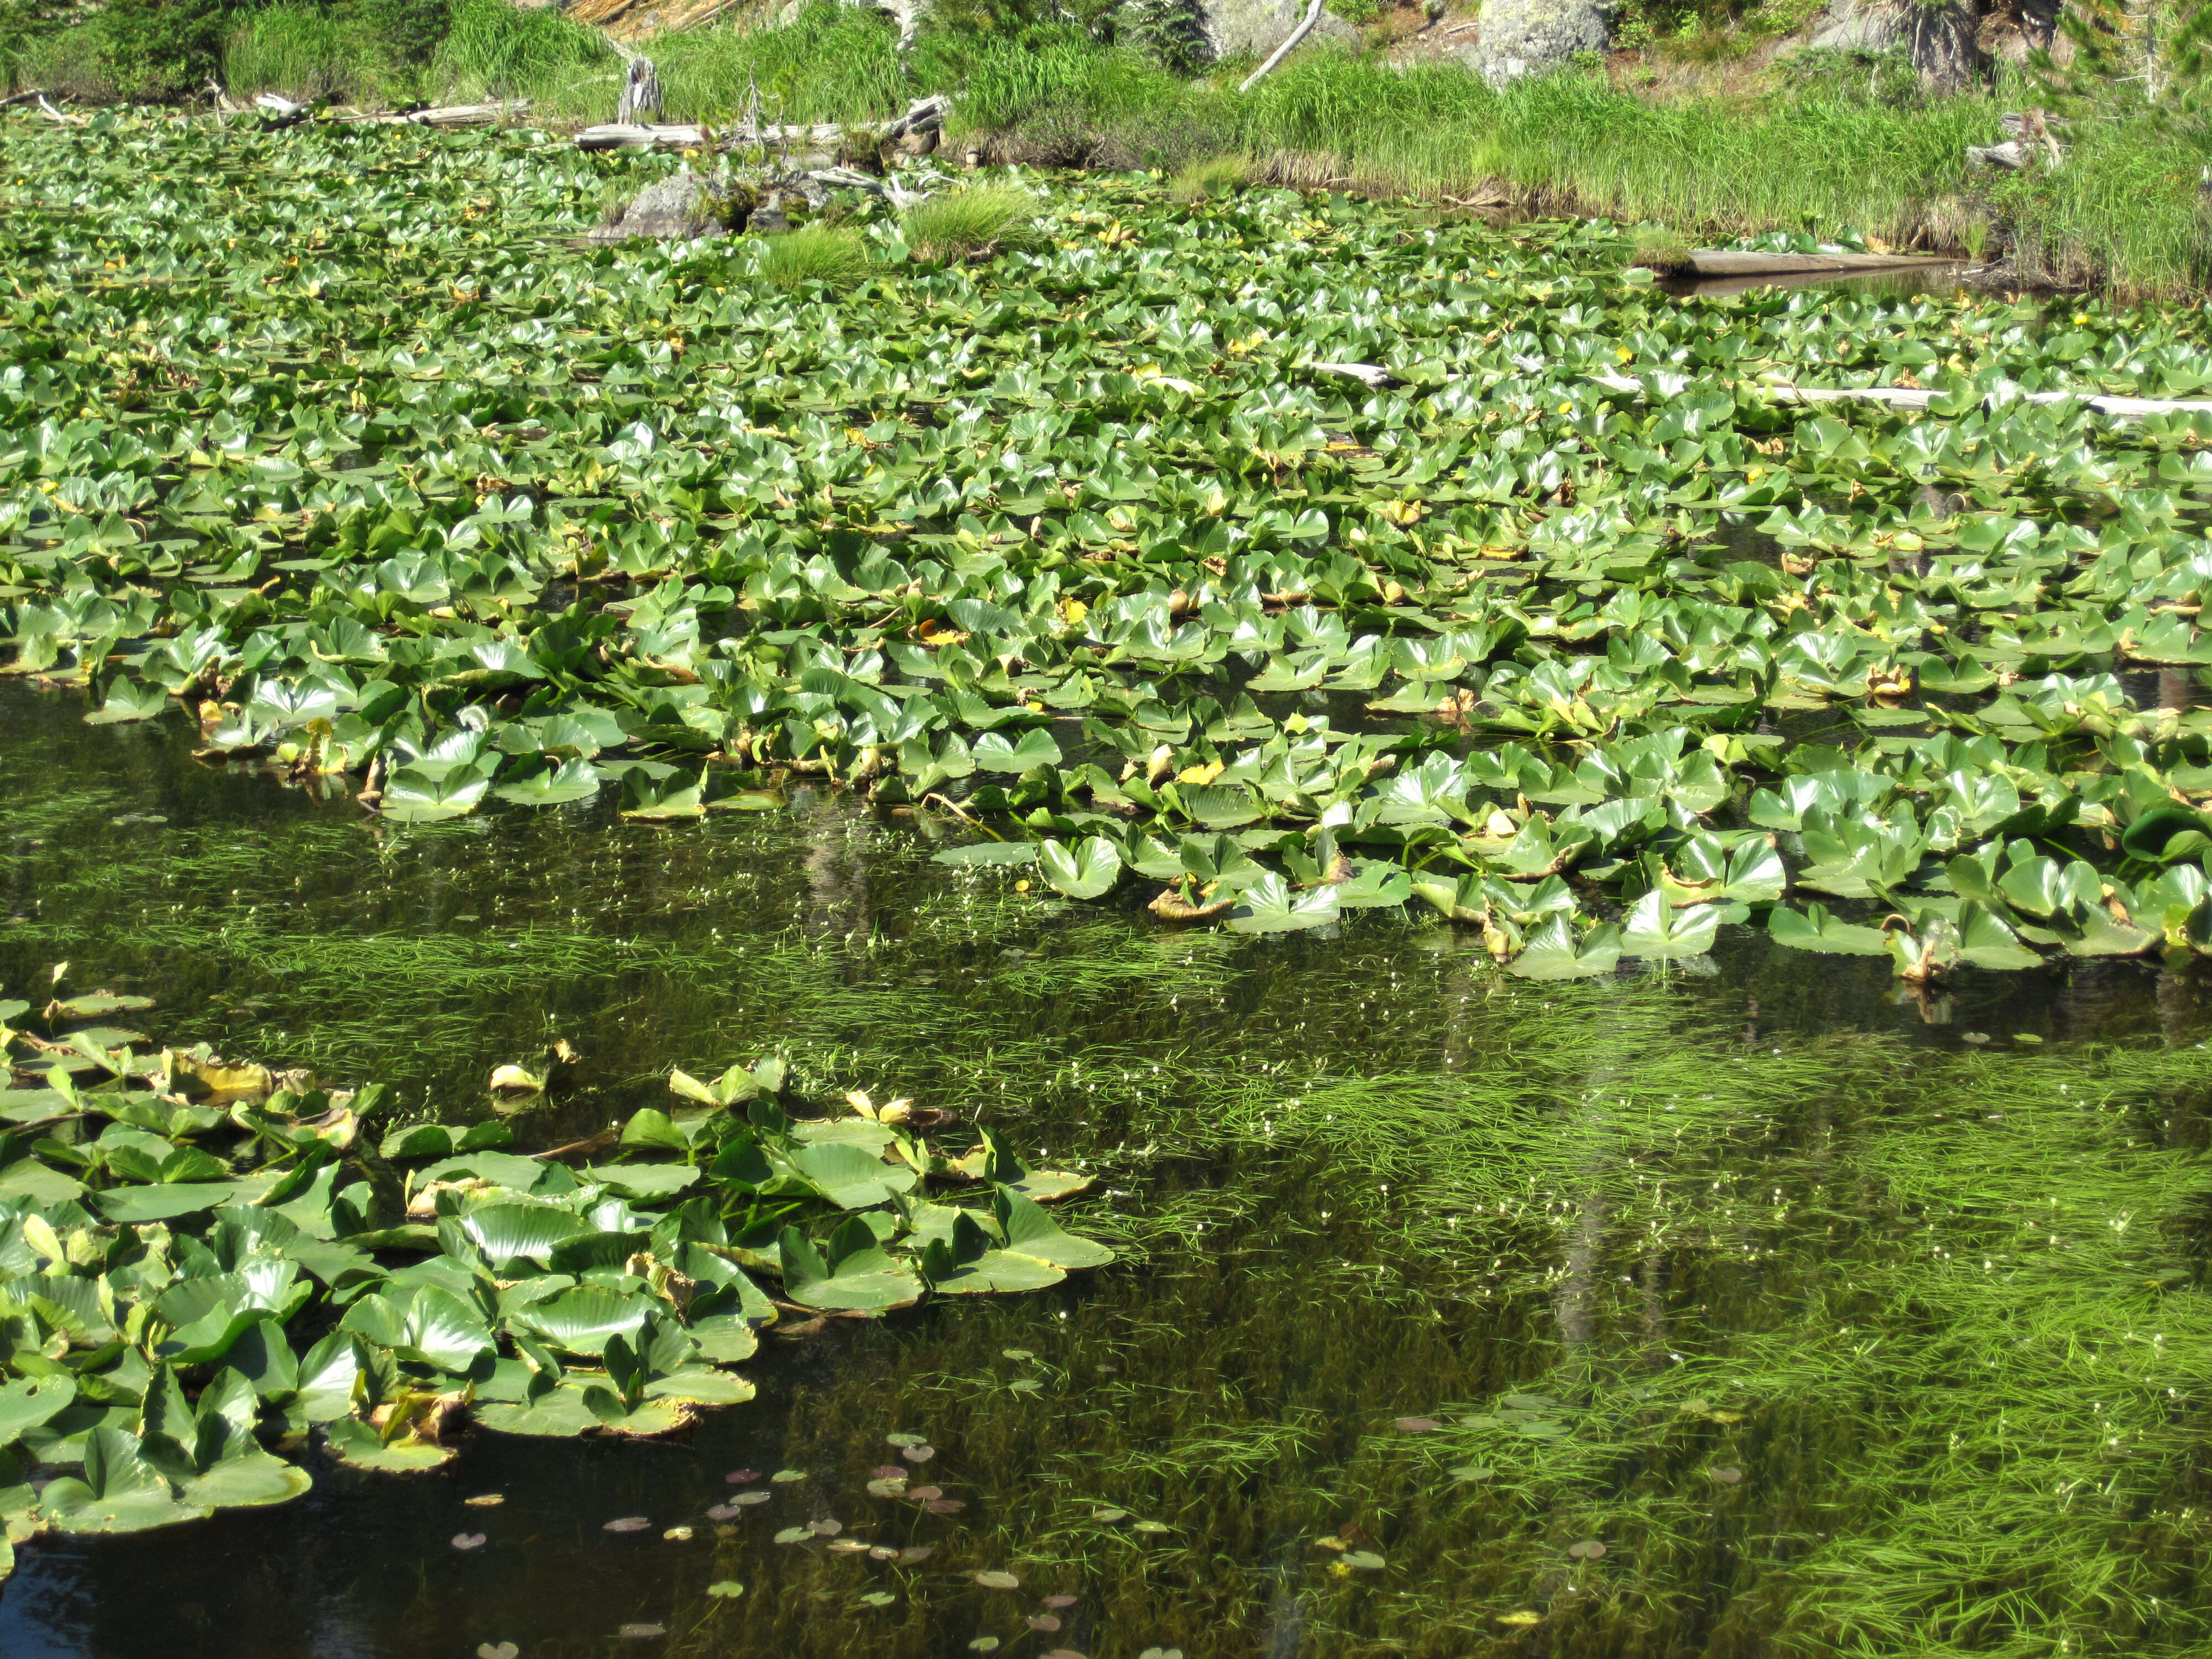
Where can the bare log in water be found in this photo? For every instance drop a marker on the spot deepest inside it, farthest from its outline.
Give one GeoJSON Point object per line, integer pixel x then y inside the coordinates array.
{"type": "Point", "coordinates": [924, 115]}
{"type": "Point", "coordinates": [1915, 398]}
{"type": "Point", "coordinates": [1734, 261]}
{"type": "Point", "coordinates": [1374, 377]}
{"type": "Point", "coordinates": [449, 115]}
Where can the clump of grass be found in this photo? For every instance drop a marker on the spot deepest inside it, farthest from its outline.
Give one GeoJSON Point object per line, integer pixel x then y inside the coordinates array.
{"type": "Point", "coordinates": [971, 224]}
{"type": "Point", "coordinates": [814, 254]}
{"type": "Point", "coordinates": [1659, 248]}
{"type": "Point", "coordinates": [1216, 175]}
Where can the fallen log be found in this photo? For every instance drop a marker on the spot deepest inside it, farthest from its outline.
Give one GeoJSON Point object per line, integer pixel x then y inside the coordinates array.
{"type": "Point", "coordinates": [629, 135]}
{"type": "Point", "coordinates": [1919, 398]}
{"type": "Point", "coordinates": [923, 115]}
{"type": "Point", "coordinates": [450, 115]}
{"type": "Point", "coordinates": [1914, 399]}
{"type": "Point", "coordinates": [1733, 262]}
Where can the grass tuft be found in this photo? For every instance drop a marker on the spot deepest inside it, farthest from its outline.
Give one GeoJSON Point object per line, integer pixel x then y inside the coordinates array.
{"type": "Point", "coordinates": [971, 224]}
{"type": "Point", "coordinates": [813, 254]}
{"type": "Point", "coordinates": [1217, 175]}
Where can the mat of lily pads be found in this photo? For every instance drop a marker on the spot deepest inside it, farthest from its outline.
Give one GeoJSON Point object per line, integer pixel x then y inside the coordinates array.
{"type": "Point", "coordinates": [195, 1253]}
{"type": "Point", "coordinates": [339, 441]}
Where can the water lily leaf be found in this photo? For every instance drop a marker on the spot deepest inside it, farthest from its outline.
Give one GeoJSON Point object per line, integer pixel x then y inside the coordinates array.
{"type": "Point", "coordinates": [427, 1325]}
{"type": "Point", "coordinates": [556, 1412]}
{"type": "Point", "coordinates": [646, 1182]}
{"type": "Point", "coordinates": [848, 1176]}
{"type": "Point", "coordinates": [417, 794]}
{"type": "Point", "coordinates": [2167, 833]}
{"type": "Point", "coordinates": [543, 781]}
{"type": "Point", "coordinates": [700, 1385]}
{"type": "Point", "coordinates": [129, 702]}
{"type": "Point", "coordinates": [1817, 930]}
{"type": "Point", "coordinates": [1555, 951]}
{"type": "Point", "coordinates": [993, 753]}
{"type": "Point", "coordinates": [850, 1270]}
{"type": "Point", "coordinates": [1086, 871]}
{"type": "Point", "coordinates": [31, 1402]}
{"type": "Point", "coordinates": [327, 1374]}
{"type": "Point", "coordinates": [249, 1479]}
{"type": "Point", "coordinates": [120, 1491]}
{"type": "Point", "coordinates": [132, 1206]}
{"type": "Point", "coordinates": [1270, 905]}
{"type": "Point", "coordinates": [358, 1446]}
{"type": "Point", "coordinates": [988, 852]}
{"type": "Point", "coordinates": [1655, 929]}
{"type": "Point", "coordinates": [1030, 1232]}
{"type": "Point", "coordinates": [580, 1320]}
{"type": "Point", "coordinates": [968, 1262]}
{"type": "Point", "coordinates": [27, 1178]}
{"type": "Point", "coordinates": [507, 1233]}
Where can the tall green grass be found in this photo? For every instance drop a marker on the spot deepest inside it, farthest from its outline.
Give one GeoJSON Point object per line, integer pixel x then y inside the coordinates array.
{"type": "Point", "coordinates": [307, 52]}
{"type": "Point", "coordinates": [831, 64]}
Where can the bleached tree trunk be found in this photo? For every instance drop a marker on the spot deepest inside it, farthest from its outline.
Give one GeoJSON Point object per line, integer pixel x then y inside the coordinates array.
{"type": "Point", "coordinates": [1297, 36]}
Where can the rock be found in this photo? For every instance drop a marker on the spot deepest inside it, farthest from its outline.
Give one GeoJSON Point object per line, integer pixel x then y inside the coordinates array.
{"type": "Point", "coordinates": [768, 220]}
{"type": "Point", "coordinates": [1526, 37]}
{"type": "Point", "coordinates": [1947, 41]}
{"type": "Point", "coordinates": [1258, 26]}
{"type": "Point", "coordinates": [686, 205]}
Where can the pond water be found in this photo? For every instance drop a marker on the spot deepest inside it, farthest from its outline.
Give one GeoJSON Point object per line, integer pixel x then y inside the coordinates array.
{"type": "Point", "coordinates": [1747, 1305]}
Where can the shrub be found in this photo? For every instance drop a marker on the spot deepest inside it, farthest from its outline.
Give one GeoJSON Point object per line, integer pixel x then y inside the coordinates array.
{"type": "Point", "coordinates": [161, 49]}
{"type": "Point", "coordinates": [970, 224]}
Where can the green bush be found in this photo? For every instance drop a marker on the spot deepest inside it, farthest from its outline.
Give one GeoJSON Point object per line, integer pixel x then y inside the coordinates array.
{"type": "Point", "coordinates": [161, 49]}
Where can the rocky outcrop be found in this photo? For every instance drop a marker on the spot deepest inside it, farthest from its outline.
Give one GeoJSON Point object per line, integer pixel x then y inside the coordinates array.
{"type": "Point", "coordinates": [1947, 40]}
{"type": "Point", "coordinates": [686, 205]}
{"type": "Point", "coordinates": [1526, 37]}
{"type": "Point", "coordinates": [1257, 27]}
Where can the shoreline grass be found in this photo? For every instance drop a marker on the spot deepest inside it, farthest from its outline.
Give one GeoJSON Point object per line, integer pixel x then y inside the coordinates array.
{"type": "Point", "coordinates": [1825, 156]}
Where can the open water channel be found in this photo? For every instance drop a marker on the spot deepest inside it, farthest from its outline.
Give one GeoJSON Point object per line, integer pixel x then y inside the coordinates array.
{"type": "Point", "coordinates": [1753, 1306]}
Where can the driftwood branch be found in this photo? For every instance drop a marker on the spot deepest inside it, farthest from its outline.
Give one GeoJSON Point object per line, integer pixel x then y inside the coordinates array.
{"type": "Point", "coordinates": [34, 96]}
{"type": "Point", "coordinates": [1297, 37]}
{"type": "Point", "coordinates": [1373, 376]}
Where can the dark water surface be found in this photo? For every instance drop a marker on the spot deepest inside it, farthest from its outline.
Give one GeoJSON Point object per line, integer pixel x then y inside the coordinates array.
{"type": "Point", "coordinates": [1841, 1317]}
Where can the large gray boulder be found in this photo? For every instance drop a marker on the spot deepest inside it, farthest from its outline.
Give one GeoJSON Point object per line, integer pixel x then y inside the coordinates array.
{"type": "Point", "coordinates": [1526, 37]}
{"type": "Point", "coordinates": [1258, 26]}
{"type": "Point", "coordinates": [684, 204]}
{"type": "Point", "coordinates": [1949, 41]}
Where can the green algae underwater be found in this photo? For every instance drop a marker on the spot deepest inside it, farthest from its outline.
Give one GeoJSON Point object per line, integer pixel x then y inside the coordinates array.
{"type": "Point", "coordinates": [1742, 1306]}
